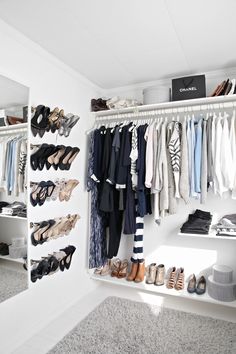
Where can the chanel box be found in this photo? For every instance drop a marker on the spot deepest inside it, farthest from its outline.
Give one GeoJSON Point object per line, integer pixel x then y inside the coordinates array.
{"type": "Point", "coordinates": [189, 87]}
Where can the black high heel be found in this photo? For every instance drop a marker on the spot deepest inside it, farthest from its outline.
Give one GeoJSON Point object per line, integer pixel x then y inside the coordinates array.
{"type": "Point", "coordinates": [44, 156]}
{"type": "Point", "coordinates": [43, 239]}
{"type": "Point", "coordinates": [34, 120]}
{"type": "Point", "coordinates": [34, 158]}
{"type": "Point", "coordinates": [38, 190]}
{"type": "Point", "coordinates": [75, 152]}
{"type": "Point", "coordinates": [64, 156]}
{"type": "Point", "coordinates": [41, 270]}
{"type": "Point", "coordinates": [66, 261]}
{"type": "Point", "coordinates": [44, 122]}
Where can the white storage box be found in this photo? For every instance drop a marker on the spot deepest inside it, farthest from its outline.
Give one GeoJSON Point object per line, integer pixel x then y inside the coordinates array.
{"type": "Point", "coordinates": [18, 242]}
{"type": "Point", "coordinates": [156, 94]}
{"type": "Point", "coordinates": [17, 252]}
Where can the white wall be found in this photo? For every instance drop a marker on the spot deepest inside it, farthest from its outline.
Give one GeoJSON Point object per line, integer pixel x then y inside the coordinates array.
{"type": "Point", "coordinates": [54, 84]}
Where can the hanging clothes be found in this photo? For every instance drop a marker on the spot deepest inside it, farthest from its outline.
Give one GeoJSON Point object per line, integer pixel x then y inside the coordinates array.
{"type": "Point", "coordinates": [97, 244]}
{"type": "Point", "coordinates": [13, 157]}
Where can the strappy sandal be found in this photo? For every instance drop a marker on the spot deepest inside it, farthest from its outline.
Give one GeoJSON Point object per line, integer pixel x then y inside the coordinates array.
{"type": "Point", "coordinates": [172, 279]}
{"type": "Point", "coordinates": [179, 285]}
{"type": "Point", "coordinates": [123, 269]}
{"type": "Point", "coordinates": [55, 193]}
{"type": "Point", "coordinates": [66, 192]}
{"type": "Point", "coordinates": [115, 268]}
{"type": "Point", "coordinates": [70, 124]}
{"type": "Point", "coordinates": [53, 120]}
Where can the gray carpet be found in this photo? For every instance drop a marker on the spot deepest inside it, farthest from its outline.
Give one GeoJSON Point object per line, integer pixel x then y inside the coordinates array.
{"type": "Point", "coordinates": [12, 282]}
{"type": "Point", "coordinates": [123, 326]}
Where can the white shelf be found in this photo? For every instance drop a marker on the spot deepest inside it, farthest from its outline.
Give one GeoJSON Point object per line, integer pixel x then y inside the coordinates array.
{"type": "Point", "coordinates": [168, 105]}
{"type": "Point", "coordinates": [13, 217]}
{"type": "Point", "coordinates": [14, 127]}
{"type": "Point", "coordinates": [211, 235]}
{"type": "Point", "coordinates": [161, 290]}
{"type": "Point", "coordinates": [8, 258]}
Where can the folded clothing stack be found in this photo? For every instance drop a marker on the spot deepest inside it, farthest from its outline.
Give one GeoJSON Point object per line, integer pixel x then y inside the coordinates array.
{"type": "Point", "coordinates": [226, 226]}
{"type": "Point", "coordinates": [4, 249]}
{"type": "Point", "coordinates": [3, 205]}
{"type": "Point", "coordinates": [15, 209]}
{"type": "Point", "coordinates": [198, 223]}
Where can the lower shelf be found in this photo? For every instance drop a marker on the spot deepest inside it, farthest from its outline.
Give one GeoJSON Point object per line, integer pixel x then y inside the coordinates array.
{"type": "Point", "coordinates": [8, 258]}
{"type": "Point", "coordinates": [161, 290]}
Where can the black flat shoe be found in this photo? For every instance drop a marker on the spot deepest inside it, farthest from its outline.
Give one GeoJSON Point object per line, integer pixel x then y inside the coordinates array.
{"type": "Point", "coordinates": [34, 120]}
{"type": "Point", "coordinates": [201, 286]}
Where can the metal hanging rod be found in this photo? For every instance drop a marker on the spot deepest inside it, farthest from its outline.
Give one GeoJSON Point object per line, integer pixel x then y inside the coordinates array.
{"type": "Point", "coordinates": [210, 103]}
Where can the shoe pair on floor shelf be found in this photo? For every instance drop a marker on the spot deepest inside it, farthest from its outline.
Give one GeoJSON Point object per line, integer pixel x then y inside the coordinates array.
{"type": "Point", "coordinates": [45, 120]}
{"type": "Point", "coordinates": [52, 229]}
{"type": "Point", "coordinates": [58, 156]}
{"type": "Point", "coordinates": [156, 275]}
{"type": "Point", "coordinates": [198, 287]}
{"type": "Point", "coordinates": [60, 260]}
{"type": "Point", "coordinates": [49, 190]}
{"type": "Point", "coordinates": [119, 269]}
{"type": "Point", "coordinates": [116, 268]}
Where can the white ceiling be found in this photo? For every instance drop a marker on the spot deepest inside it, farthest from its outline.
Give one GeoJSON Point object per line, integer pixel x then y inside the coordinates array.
{"type": "Point", "coordinates": [122, 42]}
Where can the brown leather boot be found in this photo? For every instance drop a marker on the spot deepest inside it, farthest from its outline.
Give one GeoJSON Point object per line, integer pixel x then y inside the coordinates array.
{"type": "Point", "coordinates": [140, 273]}
{"type": "Point", "coordinates": [133, 272]}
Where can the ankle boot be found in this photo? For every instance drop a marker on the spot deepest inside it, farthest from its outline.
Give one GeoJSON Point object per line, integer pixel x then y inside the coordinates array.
{"type": "Point", "coordinates": [140, 273]}
{"type": "Point", "coordinates": [133, 272]}
{"type": "Point", "coordinates": [160, 275]}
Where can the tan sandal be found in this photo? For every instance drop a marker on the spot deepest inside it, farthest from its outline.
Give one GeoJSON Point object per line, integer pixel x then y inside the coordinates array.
{"type": "Point", "coordinates": [172, 279]}
{"type": "Point", "coordinates": [123, 269]}
{"type": "Point", "coordinates": [179, 285]}
{"type": "Point", "coordinates": [115, 267]}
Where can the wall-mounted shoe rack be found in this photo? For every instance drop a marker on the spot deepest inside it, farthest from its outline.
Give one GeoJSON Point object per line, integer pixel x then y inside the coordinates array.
{"type": "Point", "coordinates": [51, 161]}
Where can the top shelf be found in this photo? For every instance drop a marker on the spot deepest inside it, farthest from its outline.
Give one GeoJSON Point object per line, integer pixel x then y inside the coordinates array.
{"type": "Point", "coordinates": [170, 105]}
{"type": "Point", "coordinates": [20, 126]}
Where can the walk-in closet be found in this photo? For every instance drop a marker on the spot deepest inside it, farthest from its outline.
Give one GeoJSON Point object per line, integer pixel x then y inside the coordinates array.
{"type": "Point", "coordinates": [117, 177]}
